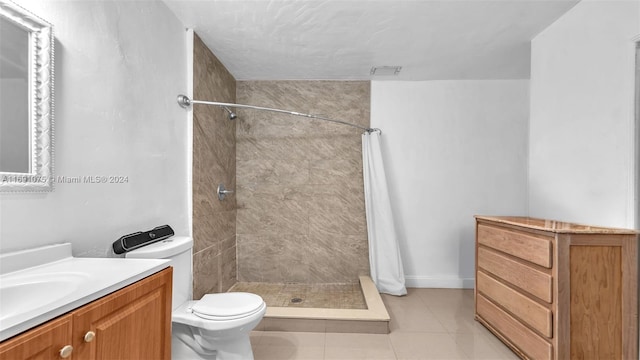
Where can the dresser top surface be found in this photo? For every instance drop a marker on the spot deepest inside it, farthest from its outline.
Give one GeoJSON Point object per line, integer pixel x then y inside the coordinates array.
{"type": "Point", "coordinates": [553, 225]}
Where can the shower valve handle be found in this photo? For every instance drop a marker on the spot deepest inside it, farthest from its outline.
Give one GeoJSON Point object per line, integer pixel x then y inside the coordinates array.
{"type": "Point", "coordinates": [222, 192]}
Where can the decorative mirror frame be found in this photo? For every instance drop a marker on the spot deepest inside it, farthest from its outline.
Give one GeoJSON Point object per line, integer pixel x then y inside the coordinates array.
{"type": "Point", "coordinates": [41, 41]}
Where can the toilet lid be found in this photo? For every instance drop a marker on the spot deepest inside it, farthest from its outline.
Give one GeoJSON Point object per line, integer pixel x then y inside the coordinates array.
{"type": "Point", "coordinates": [227, 306]}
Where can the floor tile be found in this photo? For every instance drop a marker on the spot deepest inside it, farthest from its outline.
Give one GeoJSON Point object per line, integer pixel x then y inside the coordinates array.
{"type": "Point", "coordinates": [459, 324]}
{"type": "Point", "coordinates": [255, 337]}
{"type": "Point", "coordinates": [358, 346]}
{"type": "Point", "coordinates": [419, 345]}
{"type": "Point", "coordinates": [479, 346]}
{"type": "Point", "coordinates": [412, 316]}
{"type": "Point", "coordinates": [275, 345]}
{"type": "Point", "coordinates": [425, 324]}
{"type": "Point", "coordinates": [287, 353]}
{"type": "Point", "coordinates": [486, 336]}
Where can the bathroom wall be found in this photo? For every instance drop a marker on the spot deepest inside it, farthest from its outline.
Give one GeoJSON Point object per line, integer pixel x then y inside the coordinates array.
{"type": "Point", "coordinates": [582, 108]}
{"type": "Point", "coordinates": [452, 150]}
{"type": "Point", "coordinates": [214, 162]}
{"type": "Point", "coordinates": [299, 183]}
{"type": "Point", "coordinates": [118, 68]}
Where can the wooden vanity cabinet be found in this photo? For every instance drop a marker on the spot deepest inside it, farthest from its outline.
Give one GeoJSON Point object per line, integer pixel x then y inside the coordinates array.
{"type": "Point", "coordinates": [131, 323]}
{"type": "Point", "coordinates": [552, 290]}
{"type": "Point", "coordinates": [43, 343]}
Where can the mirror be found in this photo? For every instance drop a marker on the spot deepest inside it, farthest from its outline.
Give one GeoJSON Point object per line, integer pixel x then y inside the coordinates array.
{"type": "Point", "coordinates": [26, 100]}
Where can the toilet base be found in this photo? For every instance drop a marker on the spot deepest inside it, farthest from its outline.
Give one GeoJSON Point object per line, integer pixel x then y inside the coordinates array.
{"type": "Point", "coordinates": [238, 349]}
{"type": "Point", "coordinates": [181, 351]}
{"type": "Point", "coordinates": [184, 347]}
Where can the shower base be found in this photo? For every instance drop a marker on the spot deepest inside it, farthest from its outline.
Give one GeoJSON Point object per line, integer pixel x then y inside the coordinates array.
{"type": "Point", "coordinates": [346, 308]}
{"type": "Point", "coordinates": [327, 296]}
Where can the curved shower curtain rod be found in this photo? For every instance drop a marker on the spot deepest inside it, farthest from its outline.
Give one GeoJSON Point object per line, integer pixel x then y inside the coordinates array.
{"type": "Point", "coordinates": [185, 102]}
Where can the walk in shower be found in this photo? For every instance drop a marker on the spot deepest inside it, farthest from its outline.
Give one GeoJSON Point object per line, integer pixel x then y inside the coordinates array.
{"type": "Point", "coordinates": [295, 227]}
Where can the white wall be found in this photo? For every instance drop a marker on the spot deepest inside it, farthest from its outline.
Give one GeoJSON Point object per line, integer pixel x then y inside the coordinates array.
{"type": "Point", "coordinates": [452, 149]}
{"type": "Point", "coordinates": [118, 69]}
{"type": "Point", "coordinates": [581, 131]}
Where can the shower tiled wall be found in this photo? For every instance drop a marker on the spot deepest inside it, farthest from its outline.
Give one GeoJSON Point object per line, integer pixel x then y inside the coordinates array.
{"type": "Point", "coordinates": [214, 162]}
{"type": "Point", "coordinates": [300, 197]}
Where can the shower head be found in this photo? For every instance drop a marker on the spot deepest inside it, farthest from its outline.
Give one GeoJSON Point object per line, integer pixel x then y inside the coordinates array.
{"type": "Point", "coordinates": [232, 115]}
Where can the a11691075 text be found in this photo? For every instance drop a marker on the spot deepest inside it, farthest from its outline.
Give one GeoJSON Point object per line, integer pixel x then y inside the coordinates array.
{"type": "Point", "coordinates": [84, 179]}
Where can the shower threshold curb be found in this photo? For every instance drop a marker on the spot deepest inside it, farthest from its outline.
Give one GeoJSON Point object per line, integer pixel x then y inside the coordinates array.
{"type": "Point", "coordinates": [375, 319]}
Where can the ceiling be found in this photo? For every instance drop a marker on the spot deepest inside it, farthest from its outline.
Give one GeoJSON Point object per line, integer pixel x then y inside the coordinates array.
{"type": "Point", "coordinates": [342, 40]}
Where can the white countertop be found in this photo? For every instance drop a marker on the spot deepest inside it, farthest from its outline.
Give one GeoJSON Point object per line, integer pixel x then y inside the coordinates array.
{"type": "Point", "coordinates": [59, 284]}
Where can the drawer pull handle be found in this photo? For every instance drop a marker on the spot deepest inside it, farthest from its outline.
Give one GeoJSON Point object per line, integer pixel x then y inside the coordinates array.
{"type": "Point", "coordinates": [89, 336]}
{"type": "Point", "coordinates": [66, 351]}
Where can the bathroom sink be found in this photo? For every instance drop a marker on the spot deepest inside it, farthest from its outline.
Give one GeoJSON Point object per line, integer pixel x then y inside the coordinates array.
{"type": "Point", "coordinates": [23, 293]}
{"type": "Point", "coordinates": [40, 284]}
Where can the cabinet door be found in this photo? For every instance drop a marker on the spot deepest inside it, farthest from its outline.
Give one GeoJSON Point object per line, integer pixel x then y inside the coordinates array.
{"type": "Point", "coordinates": [44, 342]}
{"type": "Point", "coordinates": [132, 323]}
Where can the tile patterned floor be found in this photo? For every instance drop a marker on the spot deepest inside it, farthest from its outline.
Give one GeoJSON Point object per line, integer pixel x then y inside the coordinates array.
{"type": "Point", "coordinates": [425, 324]}
{"type": "Point", "coordinates": [329, 296]}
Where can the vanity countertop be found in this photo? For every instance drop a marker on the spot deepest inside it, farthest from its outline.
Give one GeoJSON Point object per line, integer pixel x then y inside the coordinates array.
{"type": "Point", "coordinates": [554, 226]}
{"type": "Point", "coordinates": [37, 285]}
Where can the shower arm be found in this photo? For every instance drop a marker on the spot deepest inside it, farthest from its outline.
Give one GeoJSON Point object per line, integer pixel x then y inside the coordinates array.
{"type": "Point", "coordinates": [186, 102]}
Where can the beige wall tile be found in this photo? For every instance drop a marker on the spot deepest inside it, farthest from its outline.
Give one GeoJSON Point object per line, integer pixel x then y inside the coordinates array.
{"type": "Point", "coordinates": [273, 258]}
{"type": "Point", "coordinates": [214, 162]}
{"type": "Point", "coordinates": [228, 268]}
{"type": "Point", "coordinates": [300, 191]}
{"type": "Point", "coordinates": [273, 171]}
{"type": "Point", "coordinates": [205, 265]}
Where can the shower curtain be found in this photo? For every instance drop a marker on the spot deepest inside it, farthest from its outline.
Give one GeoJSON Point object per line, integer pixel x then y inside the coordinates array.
{"type": "Point", "coordinates": [384, 254]}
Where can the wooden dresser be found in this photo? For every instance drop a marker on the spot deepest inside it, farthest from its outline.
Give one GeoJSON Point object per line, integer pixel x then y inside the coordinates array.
{"type": "Point", "coordinates": [555, 290]}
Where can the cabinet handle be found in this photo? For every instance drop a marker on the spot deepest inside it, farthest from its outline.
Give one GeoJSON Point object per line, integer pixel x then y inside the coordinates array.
{"type": "Point", "coordinates": [66, 351]}
{"type": "Point", "coordinates": [89, 336]}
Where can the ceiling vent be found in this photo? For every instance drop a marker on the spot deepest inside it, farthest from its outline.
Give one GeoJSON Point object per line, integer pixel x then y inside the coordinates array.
{"type": "Point", "coordinates": [385, 70]}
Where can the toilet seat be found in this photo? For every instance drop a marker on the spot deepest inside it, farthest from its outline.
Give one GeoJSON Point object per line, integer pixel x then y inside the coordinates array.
{"type": "Point", "coordinates": [227, 306]}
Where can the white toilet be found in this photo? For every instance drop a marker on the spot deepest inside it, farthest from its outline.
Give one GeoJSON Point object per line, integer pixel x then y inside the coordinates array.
{"type": "Point", "coordinates": [214, 327]}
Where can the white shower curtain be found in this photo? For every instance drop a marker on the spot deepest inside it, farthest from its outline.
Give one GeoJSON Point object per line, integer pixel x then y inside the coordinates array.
{"type": "Point", "coordinates": [384, 254]}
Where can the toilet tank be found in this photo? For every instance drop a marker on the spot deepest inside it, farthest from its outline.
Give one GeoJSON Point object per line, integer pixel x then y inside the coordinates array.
{"type": "Point", "coordinates": [179, 250]}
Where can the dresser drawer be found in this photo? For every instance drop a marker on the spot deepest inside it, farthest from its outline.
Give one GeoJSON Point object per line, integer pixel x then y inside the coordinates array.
{"type": "Point", "coordinates": [527, 246]}
{"type": "Point", "coordinates": [533, 345]}
{"type": "Point", "coordinates": [535, 282]}
{"type": "Point", "coordinates": [528, 311]}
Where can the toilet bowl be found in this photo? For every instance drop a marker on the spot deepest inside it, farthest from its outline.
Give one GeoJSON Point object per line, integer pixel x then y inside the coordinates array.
{"type": "Point", "coordinates": [215, 327]}
{"type": "Point", "coordinates": [218, 323]}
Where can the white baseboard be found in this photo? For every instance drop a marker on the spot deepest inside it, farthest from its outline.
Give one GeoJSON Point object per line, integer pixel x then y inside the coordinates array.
{"type": "Point", "coordinates": [439, 282]}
